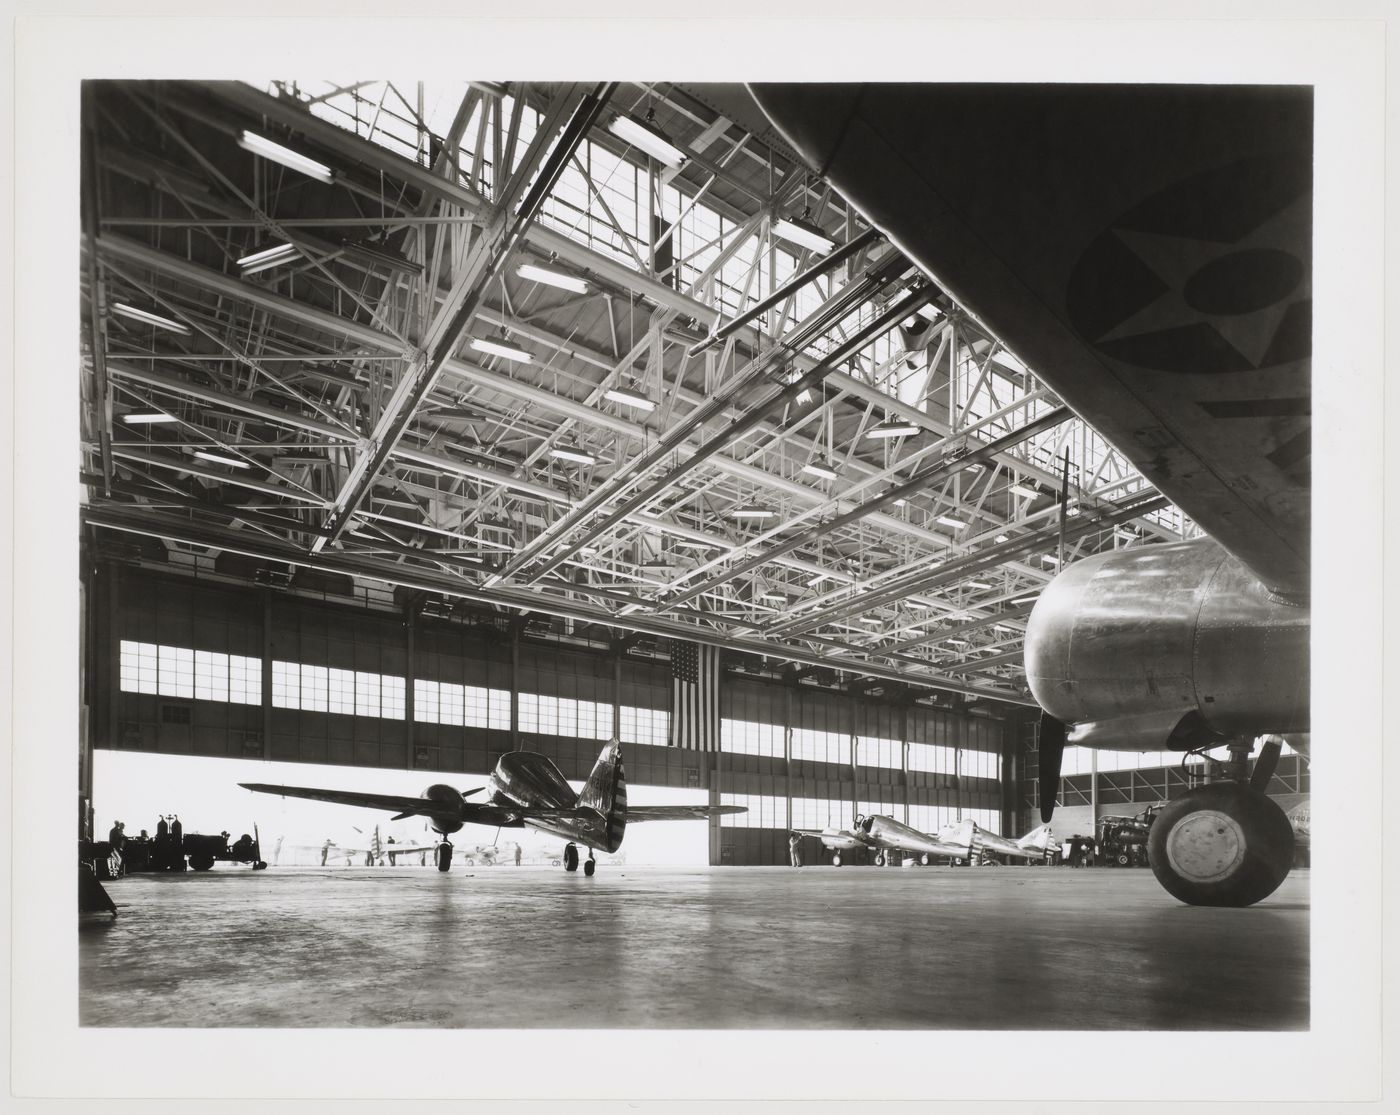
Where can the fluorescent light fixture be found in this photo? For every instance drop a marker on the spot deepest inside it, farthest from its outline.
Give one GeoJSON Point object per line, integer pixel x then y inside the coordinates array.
{"type": "Point", "coordinates": [660, 565]}
{"type": "Point", "coordinates": [545, 275]}
{"type": "Point", "coordinates": [820, 468]}
{"type": "Point", "coordinates": [495, 348]}
{"type": "Point", "coordinates": [957, 642]}
{"type": "Point", "coordinates": [1001, 538]}
{"type": "Point", "coordinates": [892, 429]}
{"type": "Point", "coordinates": [949, 521]}
{"type": "Point", "coordinates": [779, 597]}
{"type": "Point", "coordinates": [1050, 559]}
{"type": "Point", "coordinates": [1003, 627]}
{"type": "Point", "coordinates": [147, 417]}
{"type": "Point", "coordinates": [901, 502]}
{"type": "Point", "coordinates": [630, 397]}
{"type": "Point", "coordinates": [977, 584]}
{"type": "Point", "coordinates": [214, 458]}
{"type": "Point", "coordinates": [752, 511]}
{"type": "Point", "coordinates": [149, 318]}
{"type": "Point", "coordinates": [804, 233]}
{"type": "Point", "coordinates": [649, 138]}
{"type": "Point", "coordinates": [268, 257]}
{"type": "Point", "coordinates": [872, 620]}
{"type": "Point", "coordinates": [692, 544]}
{"type": "Point", "coordinates": [815, 581]}
{"type": "Point", "coordinates": [570, 453]}
{"type": "Point", "coordinates": [1025, 600]}
{"type": "Point", "coordinates": [293, 160]}
{"type": "Point", "coordinates": [1023, 491]}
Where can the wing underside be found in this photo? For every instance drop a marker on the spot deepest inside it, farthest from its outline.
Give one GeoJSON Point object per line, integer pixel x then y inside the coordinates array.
{"type": "Point", "coordinates": [392, 803]}
{"type": "Point", "coordinates": [1147, 250]}
{"type": "Point", "coordinates": [680, 812]}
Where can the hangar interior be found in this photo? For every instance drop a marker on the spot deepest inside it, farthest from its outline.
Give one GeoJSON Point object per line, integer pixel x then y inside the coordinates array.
{"type": "Point", "coordinates": [421, 423]}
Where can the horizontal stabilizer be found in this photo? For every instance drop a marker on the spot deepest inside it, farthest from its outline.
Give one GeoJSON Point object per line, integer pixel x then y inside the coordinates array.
{"type": "Point", "coordinates": [681, 812]}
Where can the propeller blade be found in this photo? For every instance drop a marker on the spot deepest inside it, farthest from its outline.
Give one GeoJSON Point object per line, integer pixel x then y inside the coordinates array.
{"type": "Point", "coordinates": [473, 790]}
{"type": "Point", "coordinates": [1051, 755]}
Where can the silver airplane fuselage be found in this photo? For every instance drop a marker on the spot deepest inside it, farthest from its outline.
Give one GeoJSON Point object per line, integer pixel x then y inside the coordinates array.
{"type": "Point", "coordinates": [1167, 646]}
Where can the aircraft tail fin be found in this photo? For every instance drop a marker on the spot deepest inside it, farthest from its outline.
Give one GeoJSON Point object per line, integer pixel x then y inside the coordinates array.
{"type": "Point", "coordinates": [1037, 840]}
{"type": "Point", "coordinates": [606, 791]}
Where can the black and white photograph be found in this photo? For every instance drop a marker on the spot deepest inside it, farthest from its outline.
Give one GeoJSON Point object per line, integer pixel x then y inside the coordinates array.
{"type": "Point", "coordinates": [805, 559]}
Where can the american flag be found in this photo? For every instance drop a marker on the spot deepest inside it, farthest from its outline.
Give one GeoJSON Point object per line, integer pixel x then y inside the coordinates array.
{"type": "Point", "coordinates": [694, 696]}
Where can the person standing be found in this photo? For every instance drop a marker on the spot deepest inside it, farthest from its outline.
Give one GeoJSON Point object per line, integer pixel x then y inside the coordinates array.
{"type": "Point", "coordinates": [325, 851]}
{"type": "Point", "coordinates": [517, 855]}
{"type": "Point", "coordinates": [117, 839]}
{"type": "Point", "coordinates": [795, 849]}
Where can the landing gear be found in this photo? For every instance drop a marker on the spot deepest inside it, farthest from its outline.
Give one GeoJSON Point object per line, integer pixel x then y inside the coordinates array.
{"type": "Point", "coordinates": [571, 857]}
{"type": "Point", "coordinates": [835, 859]}
{"type": "Point", "coordinates": [879, 859]}
{"type": "Point", "coordinates": [1223, 844]}
{"type": "Point", "coordinates": [590, 864]}
{"type": "Point", "coordinates": [925, 859]}
{"type": "Point", "coordinates": [442, 856]}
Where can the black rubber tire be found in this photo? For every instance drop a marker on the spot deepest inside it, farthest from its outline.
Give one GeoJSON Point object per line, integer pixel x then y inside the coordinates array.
{"type": "Point", "coordinates": [589, 865]}
{"type": "Point", "coordinates": [1238, 841]}
{"type": "Point", "coordinates": [201, 864]}
{"type": "Point", "coordinates": [879, 859]}
{"type": "Point", "coordinates": [442, 856]}
{"type": "Point", "coordinates": [570, 858]}
{"type": "Point", "coordinates": [835, 859]}
{"type": "Point", "coordinates": [261, 865]}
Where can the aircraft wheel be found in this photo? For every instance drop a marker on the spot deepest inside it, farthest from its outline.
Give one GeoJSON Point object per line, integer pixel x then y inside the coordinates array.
{"type": "Point", "coordinates": [879, 859]}
{"type": "Point", "coordinates": [201, 864]}
{"type": "Point", "coordinates": [589, 865]}
{"type": "Point", "coordinates": [925, 859]}
{"type": "Point", "coordinates": [261, 865]}
{"type": "Point", "coordinates": [570, 857]}
{"type": "Point", "coordinates": [1124, 859]}
{"type": "Point", "coordinates": [835, 859]}
{"type": "Point", "coordinates": [442, 856]}
{"type": "Point", "coordinates": [1225, 844]}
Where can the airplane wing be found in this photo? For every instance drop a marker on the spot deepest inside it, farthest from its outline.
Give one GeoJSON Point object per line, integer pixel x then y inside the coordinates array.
{"type": "Point", "coordinates": [680, 812]}
{"type": "Point", "coordinates": [388, 802]}
{"type": "Point", "coordinates": [1146, 250]}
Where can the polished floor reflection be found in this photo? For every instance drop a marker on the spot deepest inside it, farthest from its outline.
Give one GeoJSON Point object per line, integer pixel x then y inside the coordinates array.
{"type": "Point", "coordinates": [820, 947]}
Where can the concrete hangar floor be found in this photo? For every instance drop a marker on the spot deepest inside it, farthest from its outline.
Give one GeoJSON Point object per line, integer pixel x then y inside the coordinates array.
{"type": "Point", "coordinates": [1019, 948]}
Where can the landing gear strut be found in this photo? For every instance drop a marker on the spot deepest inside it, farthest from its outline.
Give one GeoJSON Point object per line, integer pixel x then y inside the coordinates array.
{"type": "Point", "coordinates": [1225, 843]}
{"type": "Point", "coordinates": [442, 855]}
{"type": "Point", "coordinates": [571, 857]}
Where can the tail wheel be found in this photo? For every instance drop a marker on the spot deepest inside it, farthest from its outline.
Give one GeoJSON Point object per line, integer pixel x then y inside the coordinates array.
{"type": "Point", "coordinates": [1224, 844]}
{"type": "Point", "coordinates": [879, 859]}
{"type": "Point", "coordinates": [571, 857]}
{"type": "Point", "coordinates": [442, 855]}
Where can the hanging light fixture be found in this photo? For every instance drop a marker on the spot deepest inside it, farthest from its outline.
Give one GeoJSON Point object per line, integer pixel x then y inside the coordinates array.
{"type": "Point", "coordinates": [892, 428]}
{"type": "Point", "coordinates": [572, 453]}
{"type": "Point", "coordinates": [147, 417]}
{"type": "Point", "coordinates": [550, 277]}
{"type": "Point", "coordinates": [274, 256]}
{"type": "Point", "coordinates": [803, 232]}
{"type": "Point", "coordinates": [821, 469]}
{"type": "Point", "coordinates": [149, 318]}
{"type": "Point", "coordinates": [215, 458]}
{"type": "Point", "coordinates": [751, 511]}
{"type": "Point", "coordinates": [506, 352]}
{"type": "Point", "coordinates": [293, 160]}
{"type": "Point", "coordinates": [647, 136]}
{"type": "Point", "coordinates": [629, 396]}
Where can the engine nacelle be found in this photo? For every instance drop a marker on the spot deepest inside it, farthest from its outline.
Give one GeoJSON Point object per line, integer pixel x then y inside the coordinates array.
{"type": "Point", "coordinates": [450, 819]}
{"type": "Point", "coordinates": [1167, 646]}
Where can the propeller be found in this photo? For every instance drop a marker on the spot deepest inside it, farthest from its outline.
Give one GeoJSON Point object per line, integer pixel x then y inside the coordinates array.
{"type": "Point", "coordinates": [1052, 754]}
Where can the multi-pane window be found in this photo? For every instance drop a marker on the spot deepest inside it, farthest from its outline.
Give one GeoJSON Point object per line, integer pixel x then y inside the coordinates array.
{"type": "Point", "coordinates": [446, 702]}
{"type": "Point", "coordinates": [176, 672]}
{"type": "Point", "coordinates": [244, 680]}
{"type": "Point", "coordinates": [211, 676]}
{"type": "Point", "coordinates": [748, 737]}
{"type": "Point", "coordinates": [315, 688]}
{"type": "Point", "coordinates": [933, 758]}
{"type": "Point", "coordinates": [565, 716]}
{"type": "Point", "coordinates": [286, 685]}
{"type": "Point", "coordinates": [764, 811]}
{"type": "Point", "coordinates": [821, 747]}
{"type": "Point", "coordinates": [341, 687]}
{"type": "Point", "coordinates": [367, 690]}
{"type": "Point", "coordinates": [644, 725]}
{"type": "Point", "coordinates": [979, 764]}
{"type": "Point", "coordinates": [820, 813]}
{"type": "Point", "coordinates": [873, 751]}
{"type": "Point", "coordinates": [183, 672]}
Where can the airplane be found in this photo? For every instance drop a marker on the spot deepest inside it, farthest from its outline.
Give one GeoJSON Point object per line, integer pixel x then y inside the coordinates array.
{"type": "Point", "coordinates": [886, 835]}
{"type": "Point", "coordinates": [526, 789]}
{"type": "Point", "coordinates": [378, 852]}
{"type": "Point", "coordinates": [1033, 846]}
{"type": "Point", "coordinates": [1147, 250]}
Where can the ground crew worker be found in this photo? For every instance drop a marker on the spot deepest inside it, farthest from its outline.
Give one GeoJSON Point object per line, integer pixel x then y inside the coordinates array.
{"type": "Point", "coordinates": [795, 849]}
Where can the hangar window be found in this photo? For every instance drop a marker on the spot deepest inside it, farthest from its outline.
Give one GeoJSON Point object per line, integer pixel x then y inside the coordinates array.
{"type": "Point", "coordinates": [366, 694]}
{"type": "Point", "coordinates": [819, 813]}
{"type": "Point", "coordinates": [139, 667]}
{"type": "Point", "coordinates": [315, 688]}
{"type": "Point", "coordinates": [565, 716]}
{"type": "Point", "coordinates": [176, 672]}
{"type": "Point", "coordinates": [764, 811]}
{"type": "Point", "coordinates": [391, 691]}
{"type": "Point", "coordinates": [445, 702]}
{"type": "Point", "coordinates": [210, 676]}
{"type": "Point", "coordinates": [933, 758]}
{"type": "Point", "coordinates": [748, 737]}
{"type": "Point", "coordinates": [644, 725]}
{"type": "Point", "coordinates": [821, 747]}
{"type": "Point", "coordinates": [979, 764]}
{"type": "Point", "coordinates": [342, 692]}
{"type": "Point", "coordinates": [286, 685]}
{"type": "Point", "coordinates": [244, 680]}
{"type": "Point", "coordinates": [873, 751]}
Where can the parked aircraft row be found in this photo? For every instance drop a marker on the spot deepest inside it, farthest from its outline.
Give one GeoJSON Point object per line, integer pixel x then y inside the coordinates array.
{"type": "Point", "coordinates": [885, 837]}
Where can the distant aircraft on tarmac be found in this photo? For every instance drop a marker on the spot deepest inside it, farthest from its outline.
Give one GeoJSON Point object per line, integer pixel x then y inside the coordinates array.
{"type": "Point", "coordinates": [958, 841]}
{"type": "Point", "coordinates": [1032, 846]}
{"type": "Point", "coordinates": [526, 789]}
{"type": "Point", "coordinates": [379, 852]}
